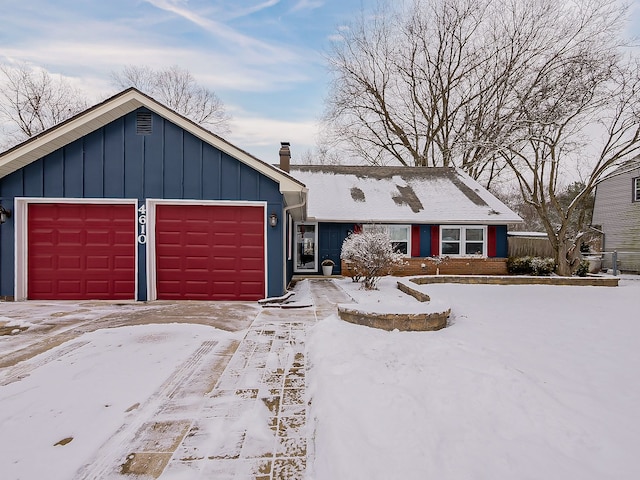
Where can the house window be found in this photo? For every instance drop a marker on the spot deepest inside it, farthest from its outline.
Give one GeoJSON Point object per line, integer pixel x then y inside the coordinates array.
{"type": "Point", "coordinates": [462, 241]}
{"type": "Point", "coordinates": [636, 189]}
{"type": "Point", "coordinates": [400, 236]}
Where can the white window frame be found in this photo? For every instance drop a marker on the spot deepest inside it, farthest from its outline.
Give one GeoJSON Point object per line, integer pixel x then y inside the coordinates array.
{"type": "Point", "coordinates": [297, 269]}
{"type": "Point", "coordinates": [386, 227]}
{"type": "Point", "coordinates": [636, 189]}
{"type": "Point", "coordinates": [463, 240]}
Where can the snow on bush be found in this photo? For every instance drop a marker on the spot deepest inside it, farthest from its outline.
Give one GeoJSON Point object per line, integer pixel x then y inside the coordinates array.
{"type": "Point", "coordinates": [370, 256]}
{"type": "Point", "coordinates": [530, 265]}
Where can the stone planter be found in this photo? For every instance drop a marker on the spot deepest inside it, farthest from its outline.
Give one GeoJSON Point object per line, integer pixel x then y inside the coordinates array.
{"type": "Point", "coordinates": [327, 270]}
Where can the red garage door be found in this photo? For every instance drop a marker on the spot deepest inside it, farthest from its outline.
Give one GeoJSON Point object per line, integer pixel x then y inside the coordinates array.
{"type": "Point", "coordinates": [81, 251]}
{"type": "Point", "coordinates": [210, 252]}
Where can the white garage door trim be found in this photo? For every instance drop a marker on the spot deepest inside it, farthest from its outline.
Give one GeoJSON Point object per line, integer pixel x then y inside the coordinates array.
{"type": "Point", "coordinates": [21, 235]}
{"type": "Point", "coordinates": [151, 204]}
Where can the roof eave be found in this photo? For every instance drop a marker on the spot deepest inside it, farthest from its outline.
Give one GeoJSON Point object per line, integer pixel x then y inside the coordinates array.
{"type": "Point", "coordinates": [115, 107]}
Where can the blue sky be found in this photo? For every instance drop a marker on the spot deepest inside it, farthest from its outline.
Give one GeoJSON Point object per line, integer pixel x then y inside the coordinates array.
{"type": "Point", "coordinates": [264, 58]}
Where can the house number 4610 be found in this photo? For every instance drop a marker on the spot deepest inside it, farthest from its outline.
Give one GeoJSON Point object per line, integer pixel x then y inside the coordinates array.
{"type": "Point", "coordinates": [142, 223]}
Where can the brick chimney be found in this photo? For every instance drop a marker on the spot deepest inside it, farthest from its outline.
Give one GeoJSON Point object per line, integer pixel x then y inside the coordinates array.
{"type": "Point", "coordinates": [285, 156]}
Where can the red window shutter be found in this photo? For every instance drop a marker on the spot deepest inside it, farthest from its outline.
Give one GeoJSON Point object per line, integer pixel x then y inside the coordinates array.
{"type": "Point", "coordinates": [491, 241]}
{"type": "Point", "coordinates": [415, 240]}
{"type": "Point", "coordinates": [435, 240]}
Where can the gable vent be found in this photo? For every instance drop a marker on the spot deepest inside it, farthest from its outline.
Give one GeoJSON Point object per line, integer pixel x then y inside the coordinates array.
{"type": "Point", "coordinates": [144, 126]}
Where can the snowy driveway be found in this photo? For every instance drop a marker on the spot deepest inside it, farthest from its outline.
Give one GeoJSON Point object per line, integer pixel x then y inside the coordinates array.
{"type": "Point", "coordinates": [99, 390]}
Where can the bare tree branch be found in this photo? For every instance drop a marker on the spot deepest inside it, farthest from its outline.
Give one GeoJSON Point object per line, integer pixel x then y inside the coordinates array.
{"type": "Point", "coordinates": [495, 87]}
{"type": "Point", "coordinates": [177, 89]}
{"type": "Point", "coordinates": [32, 100]}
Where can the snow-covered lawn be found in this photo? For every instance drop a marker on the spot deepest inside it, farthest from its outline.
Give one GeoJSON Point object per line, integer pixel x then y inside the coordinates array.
{"type": "Point", "coordinates": [527, 382]}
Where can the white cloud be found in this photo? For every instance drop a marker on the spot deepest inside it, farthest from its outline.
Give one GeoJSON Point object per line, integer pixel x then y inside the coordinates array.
{"type": "Point", "coordinates": [222, 31]}
{"type": "Point", "coordinates": [262, 136]}
{"type": "Point", "coordinates": [243, 12]}
{"type": "Point", "coordinates": [307, 5]}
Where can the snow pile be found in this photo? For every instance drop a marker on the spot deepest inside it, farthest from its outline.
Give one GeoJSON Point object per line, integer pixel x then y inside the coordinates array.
{"type": "Point", "coordinates": [528, 382]}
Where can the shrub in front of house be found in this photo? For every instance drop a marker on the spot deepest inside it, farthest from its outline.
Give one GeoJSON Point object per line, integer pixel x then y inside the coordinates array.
{"type": "Point", "coordinates": [370, 255]}
{"type": "Point", "coordinates": [583, 268]}
{"type": "Point", "coordinates": [530, 266]}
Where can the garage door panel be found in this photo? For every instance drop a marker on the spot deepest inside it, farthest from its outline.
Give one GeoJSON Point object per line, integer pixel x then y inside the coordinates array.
{"type": "Point", "coordinates": [41, 287]}
{"type": "Point", "coordinates": [251, 265]}
{"type": "Point", "coordinates": [210, 241]}
{"type": "Point", "coordinates": [197, 264]}
{"type": "Point", "coordinates": [67, 237]}
{"type": "Point", "coordinates": [98, 262]}
{"type": "Point", "coordinates": [80, 251]}
{"type": "Point", "coordinates": [193, 239]}
{"type": "Point", "coordinates": [97, 286]}
{"type": "Point", "coordinates": [229, 239]}
{"type": "Point", "coordinates": [69, 262]}
{"type": "Point", "coordinates": [70, 287]}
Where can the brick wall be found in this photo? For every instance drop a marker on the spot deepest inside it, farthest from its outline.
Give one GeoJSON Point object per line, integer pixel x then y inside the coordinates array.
{"type": "Point", "coordinates": [446, 266]}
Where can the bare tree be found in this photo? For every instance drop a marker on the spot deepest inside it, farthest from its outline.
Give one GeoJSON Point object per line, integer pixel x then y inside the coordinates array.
{"type": "Point", "coordinates": [420, 86]}
{"type": "Point", "coordinates": [540, 89]}
{"type": "Point", "coordinates": [177, 89]}
{"type": "Point", "coordinates": [32, 100]}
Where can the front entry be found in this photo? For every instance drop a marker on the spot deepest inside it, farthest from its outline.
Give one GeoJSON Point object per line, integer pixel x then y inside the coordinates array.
{"type": "Point", "coordinates": [306, 251]}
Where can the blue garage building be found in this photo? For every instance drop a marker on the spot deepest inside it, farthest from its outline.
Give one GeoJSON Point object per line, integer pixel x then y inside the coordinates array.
{"type": "Point", "coordinates": [129, 200]}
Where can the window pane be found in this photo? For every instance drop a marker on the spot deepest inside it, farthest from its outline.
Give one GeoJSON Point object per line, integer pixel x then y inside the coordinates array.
{"type": "Point", "coordinates": [398, 233]}
{"type": "Point", "coordinates": [450, 248]}
{"type": "Point", "coordinates": [474, 234]}
{"type": "Point", "coordinates": [400, 247]}
{"type": "Point", "coordinates": [450, 234]}
{"type": "Point", "coordinates": [473, 248]}
{"type": "Point", "coordinates": [637, 189]}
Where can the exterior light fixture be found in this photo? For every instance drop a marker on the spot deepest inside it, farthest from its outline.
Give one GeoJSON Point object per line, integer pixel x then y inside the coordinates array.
{"type": "Point", "coordinates": [273, 219]}
{"type": "Point", "coordinates": [4, 214]}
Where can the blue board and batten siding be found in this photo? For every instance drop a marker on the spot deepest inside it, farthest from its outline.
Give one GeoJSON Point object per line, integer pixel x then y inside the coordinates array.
{"type": "Point", "coordinates": [117, 162]}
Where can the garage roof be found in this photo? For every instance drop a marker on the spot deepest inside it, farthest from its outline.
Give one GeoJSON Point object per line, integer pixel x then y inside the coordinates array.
{"type": "Point", "coordinates": [119, 105]}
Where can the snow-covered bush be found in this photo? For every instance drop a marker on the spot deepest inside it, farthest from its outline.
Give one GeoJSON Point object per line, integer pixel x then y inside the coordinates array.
{"type": "Point", "coordinates": [530, 266]}
{"type": "Point", "coordinates": [370, 256]}
{"type": "Point", "coordinates": [542, 266]}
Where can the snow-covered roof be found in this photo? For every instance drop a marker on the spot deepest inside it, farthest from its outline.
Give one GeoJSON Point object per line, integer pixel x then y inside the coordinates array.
{"type": "Point", "coordinates": [399, 195]}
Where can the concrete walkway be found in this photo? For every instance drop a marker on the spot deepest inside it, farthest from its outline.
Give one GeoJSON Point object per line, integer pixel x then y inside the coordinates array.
{"type": "Point", "coordinates": [253, 424]}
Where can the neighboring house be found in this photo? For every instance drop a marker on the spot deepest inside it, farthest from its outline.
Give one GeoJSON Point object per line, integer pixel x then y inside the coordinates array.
{"type": "Point", "coordinates": [617, 214]}
{"type": "Point", "coordinates": [440, 218]}
{"type": "Point", "coordinates": [130, 200]}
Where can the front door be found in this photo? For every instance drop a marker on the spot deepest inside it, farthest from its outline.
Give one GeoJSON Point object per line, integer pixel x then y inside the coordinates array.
{"type": "Point", "coordinates": [306, 251]}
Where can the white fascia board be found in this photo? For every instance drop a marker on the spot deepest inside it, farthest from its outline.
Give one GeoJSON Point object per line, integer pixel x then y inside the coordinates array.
{"type": "Point", "coordinates": [114, 108]}
{"type": "Point", "coordinates": [66, 132]}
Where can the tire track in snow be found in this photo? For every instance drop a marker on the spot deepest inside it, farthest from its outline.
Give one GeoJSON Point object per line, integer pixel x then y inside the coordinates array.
{"type": "Point", "coordinates": [24, 369]}
{"type": "Point", "coordinates": [109, 457]}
